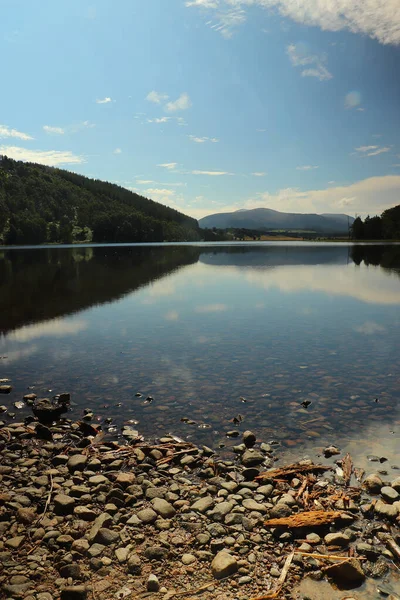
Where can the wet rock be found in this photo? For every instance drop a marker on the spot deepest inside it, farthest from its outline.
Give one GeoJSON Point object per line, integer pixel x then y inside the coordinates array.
{"type": "Point", "coordinates": [5, 389]}
{"type": "Point", "coordinates": [153, 585]}
{"type": "Point", "coordinates": [250, 474]}
{"type": "Point", "coordinates": [347, 574]}
{"type": "Point", "coordinates": [389, 494]}
{"type": "Point", "coordinates": [249, 439]}
{"type": "Point", "coordinates": [396, 484]}
{"type": "Point", "coordinates": [47, 412]}
{"type": "Point", "coordinates": [252, 458]}
{"type": "Point", "coordinates": [331, 451]}
{"type": "Point", "coordinates": [386, 510]}
{"type": "Point", "coordinates": [373, 483]}
{"type": "Point", "coordinates": [223, 565]}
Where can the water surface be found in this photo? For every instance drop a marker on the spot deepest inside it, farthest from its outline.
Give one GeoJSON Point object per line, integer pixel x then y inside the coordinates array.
{"type": "Point", "coordinates": [199, 327]}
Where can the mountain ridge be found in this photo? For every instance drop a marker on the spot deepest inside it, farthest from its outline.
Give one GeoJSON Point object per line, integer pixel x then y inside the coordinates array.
{"type": "Point", "coordinates": [264, 219]}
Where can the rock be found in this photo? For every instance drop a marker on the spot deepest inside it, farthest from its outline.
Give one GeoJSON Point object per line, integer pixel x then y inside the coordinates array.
{"type": "Point", "coordinates": [5, 389]}
{"type": "Point", "coordinates": [134, 565]}
{"type": "Point", "coordinates": [106, 536]}
{"type": "Point", "coordinates": [17, 590]}
{"type": "Point", "coordinates": [15, 542]}
{"type": "Point", "coordinates": [331, 451]}
{"type": "Point", "coordinates": [81, 546]}
{"type": "Point", "coordinates": [265, 490]}
{"type": "Point", "coordinates": [347, 574]}
{"type": "Point", "coordinates": [251, 504]}
{"type": "Point", "coordinates": [245, 579]}
{"type": "Point", "coordinates": [153, 585]}
{"type": "Point", "coordinates": [147, 515]}
{"type": "Point", "coordinates": [102, 520]}
{"type": "Point", "coordinates": [156, 553]}
{"type": "Point", "coordinates": [125, 479]}
{"type": "Point", "coordinates": [367, 549]}
{"type": "Point", "coordinates": [163, 508]}
{"type": "Point", "coordinates": [73, 571]}
{"type": "Point", "coordinates": [84, 513]}
{"type": "Point", "coordinates": [223, 565]}
{"type": "Point", "coordinates": [76, 592]}
{"type": "Point", "coordinates": [77, 462]}
{"type": "Point", "coordinates": [313, 538]}
{"type": "Point", "coordinates": [280, 510]}
{"type": "Point", "coordinates": [222, 509]}
{"type": "Point", "coordinates": [396, 484]}
{"type": "Point", "coordinates": [373, 483]}
{"type": "Point", "coordinates": [122, 554]}
{"type": "Point", "coordinates": [249, 439]}
{"type": "Point", "coordinates": [188, 559]}
{"type": "Point", "coordinates": [63, 504]}
{"type": "Point", "coordinates": [252, 458]}
{"type": "Point", "coordinates": [336, 539]}
{"type": "Point", "coordinates": [386, 510]}
{"type": "Point", "coordinates": [389, 494]}
{"type": "Point", "coordinates": [26, 515]}
{"type": "Point", "coordinates": [203, 504]}
{"type": "Point", "coordinates": [250, 474]}
{"type": "Point", "coordinates": [47, 412]}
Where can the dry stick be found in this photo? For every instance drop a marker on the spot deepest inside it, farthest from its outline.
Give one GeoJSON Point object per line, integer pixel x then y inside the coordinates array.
{"type": "Point", "coordinates": [327, 556]}
{"type": "Point", "coordinates": [282, 578]}
{"type": "Point", "coordinates": [47, 501]}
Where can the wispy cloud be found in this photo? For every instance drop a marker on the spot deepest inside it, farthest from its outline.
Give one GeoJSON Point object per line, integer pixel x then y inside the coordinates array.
{"type": "Point", "coordinates": [353, 100]}
{"type": "Point", "coordinates": [156, 97]}
{"type": "Point", "coordinates": [202, 140]}
{"type": "Point", "coordinates": [53, 130]}
{"type": "Point", "coordinates": [144, 181]}
{"type": "Point", "coordinates": [377, 19]}
{"type": "Point", "coordinates": [7, 132]}
{"type": "Point", "coordinates": [300, 56]}
{"type": "Point", "coordinates": [369, 328]}
{"type": "Point", "coordinates": [259, 174]}
{"type": "Point", "coordinates": [372, 150]}
{"type": "Point", "coordinates": [52, 328]}
{"type": "Point", "coordinates": [51, 158]}
{"type": "Point", "coordinates": [105, 100]}
{"type": "Point", "coordinates": [212, 173]}
{"type": "Point", "coordinates": [117, 151]}
{"type": "Point", "coordinates": [159, 120]}
{"type": "Point", "coordinates": [170, 166]}
{"type": "Point", "coordinates": [307, 167]}
{"type": "Point", "coordinates": [181, 103]}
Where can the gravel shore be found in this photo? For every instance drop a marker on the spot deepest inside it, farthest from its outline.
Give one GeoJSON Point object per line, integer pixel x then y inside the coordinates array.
{"type": "Point", "coordinates": [86, 518]}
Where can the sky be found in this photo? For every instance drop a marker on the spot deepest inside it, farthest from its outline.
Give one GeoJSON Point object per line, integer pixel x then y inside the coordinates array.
{"type": "Point", "coordinates": [210, 105]}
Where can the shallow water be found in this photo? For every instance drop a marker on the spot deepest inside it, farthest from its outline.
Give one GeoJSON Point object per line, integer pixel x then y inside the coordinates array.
{"type": "Point", "coordinates": [199, 327]}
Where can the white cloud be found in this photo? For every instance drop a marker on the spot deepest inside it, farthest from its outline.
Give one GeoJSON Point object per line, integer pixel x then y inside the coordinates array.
{"type": "Point", "coordinates": [258, 174]}
{"type": "Point", "coordinates": [377, 19]}
{"type": "Point", "coordinates": [181, 103]}
{"type": "Point", "coordinates": [201, 140]}
{"type": "Point", "coordinates": [352, 100]}
{"type": "Point", "coordinates": [144, 181]}
{"type": "Point", "coordinates": [53, 130]}
{"type": "Point", "coordinates": [369, 328]}
{"type": "Point", "coordinates": [105, 100]}
{"type": "Point", "coordinates": [156, 97]}
{"type": "Point", "coordinates": [300, 56]}
{"type": "Point", "coordinates": [307, 167]}
{"type": "Point", "coordinates": [159, 120]}
{"type": "Point", "coordinates": [372, 150]}
{"type": "Point", "coordinates": [212, 173]}
{"type": "Point", "coordinates": [6, 132]}
{"type": "Point", "coordinates": [261, 130]}
{"type": "Point", "coordinates": [170, 166]}
{"type": "Point", "coordinates": [51, 158]}
{"type": "Point", "coordinates": [117, 151]}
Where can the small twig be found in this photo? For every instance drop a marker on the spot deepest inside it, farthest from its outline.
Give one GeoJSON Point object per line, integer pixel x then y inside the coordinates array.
{"type": "Point", "coordinates": [285, 569]}
{"type": "Point", "coordinates": [327, 556]}
{"type": "Point", "coordinates": [48, 500]}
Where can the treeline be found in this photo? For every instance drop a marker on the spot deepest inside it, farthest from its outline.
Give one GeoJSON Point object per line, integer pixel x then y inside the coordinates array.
{"type": "Point", "coordinates": [40, 204]}
{"type": "Point", "coordinates": [385, 227]}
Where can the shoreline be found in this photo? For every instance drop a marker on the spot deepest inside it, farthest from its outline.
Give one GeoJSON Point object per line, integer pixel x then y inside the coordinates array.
{"type": "Point", "coordinates": [85, 518]}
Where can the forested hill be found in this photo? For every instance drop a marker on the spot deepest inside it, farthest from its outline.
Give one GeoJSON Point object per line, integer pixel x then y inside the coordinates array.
{"type": "Point", "coordinates": [41, 204]}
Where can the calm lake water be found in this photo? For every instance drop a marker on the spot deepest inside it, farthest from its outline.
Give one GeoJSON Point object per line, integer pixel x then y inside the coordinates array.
{"type": "Point", "coordinates": [198, 327]}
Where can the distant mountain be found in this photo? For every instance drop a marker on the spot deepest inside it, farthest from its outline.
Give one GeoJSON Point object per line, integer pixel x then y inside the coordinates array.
{"type": "Point", "coordinates": [266, 219]}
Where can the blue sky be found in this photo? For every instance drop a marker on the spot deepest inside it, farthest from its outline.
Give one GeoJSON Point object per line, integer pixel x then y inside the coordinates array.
{"type": "Point", "coordinates": [210, 105]}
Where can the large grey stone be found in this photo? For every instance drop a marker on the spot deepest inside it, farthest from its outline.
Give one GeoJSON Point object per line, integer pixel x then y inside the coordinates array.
{"type": "Point", "coordinates": [373, 483]}
{"type": "Point", "coordinates": [251, 504]}
{"type": "Point", "coordinates": [63, 504]}
{"type": "Point", "coordinates": [147, 515]}
{"type": "Point", "coordinates": [337, 539]}
{"type": "Point", "coordinates": [106, 536]}
{"type": "Point", "coordinates": [163, 508]}
{"type": "Point", "coordinates": [389, 494]}
{"type": "Point", "coordinates": [252, 458]}
{"type": "Point", "coordinates": [203, 504]}
{"type": "Point", "coordinates": [77, 462]}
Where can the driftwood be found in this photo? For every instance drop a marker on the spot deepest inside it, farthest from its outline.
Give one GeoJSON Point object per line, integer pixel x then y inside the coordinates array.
{"type": "Point", "coordinates": [294, 469]}
{"type": "Point", "coordinates": [312, 518]}
{"type": "Point", "coordinates": [347, 466]}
